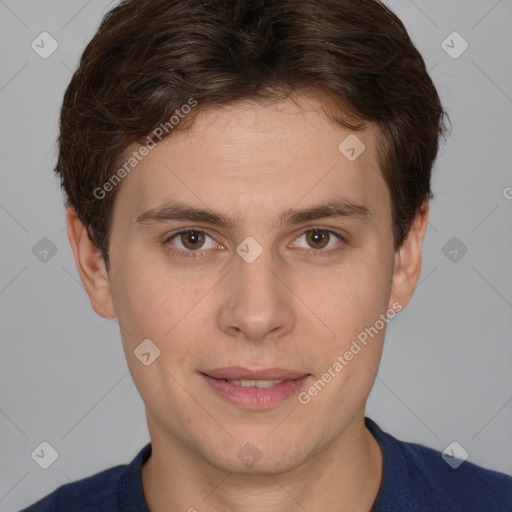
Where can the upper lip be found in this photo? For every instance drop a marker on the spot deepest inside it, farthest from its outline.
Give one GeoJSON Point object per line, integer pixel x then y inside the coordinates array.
{"type": "Point", "coordinates": [240, 373]}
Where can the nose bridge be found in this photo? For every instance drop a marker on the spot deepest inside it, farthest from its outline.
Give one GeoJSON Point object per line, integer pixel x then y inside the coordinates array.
{"type": "Point", "coordinates": [256, 304]}
{"type": "Point", "coordinates": [256, 281]}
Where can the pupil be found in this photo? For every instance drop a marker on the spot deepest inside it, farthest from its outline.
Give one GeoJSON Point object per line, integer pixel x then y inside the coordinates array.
{"type": "Point", "coordinates": [318, 237]}
{"type": "Point", "coordinates": [192, 239]}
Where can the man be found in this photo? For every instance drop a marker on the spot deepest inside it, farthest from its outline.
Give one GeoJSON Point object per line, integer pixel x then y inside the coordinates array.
{"type": "Point", "coordinates": [247, 189]}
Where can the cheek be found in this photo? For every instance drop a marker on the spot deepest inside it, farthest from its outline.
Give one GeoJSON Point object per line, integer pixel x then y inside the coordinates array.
{"type": "Point", "coordinates": [349, 359]}
{"type": "Point", "coordinates": [151, 298]}
{"type": "Point", "coordinates": [154, 304]}
{"type": "Point", "coordinates": [350, 298]}
{"type": "Point", "coordinates": [360, 298]}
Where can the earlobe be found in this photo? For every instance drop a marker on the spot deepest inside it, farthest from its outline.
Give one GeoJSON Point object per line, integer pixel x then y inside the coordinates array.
{"type": "Point", "coordinates": [90, 266]}
{"type": "Point", "coordinates": [408, 260]}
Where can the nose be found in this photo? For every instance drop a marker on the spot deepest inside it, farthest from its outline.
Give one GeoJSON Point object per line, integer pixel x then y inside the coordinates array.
{"type": "Point", "coordinates": [256, 302]}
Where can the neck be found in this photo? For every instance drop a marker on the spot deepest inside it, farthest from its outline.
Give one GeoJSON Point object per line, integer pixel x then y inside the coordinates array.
{"type": "Point", "coordinates": [344, 475]}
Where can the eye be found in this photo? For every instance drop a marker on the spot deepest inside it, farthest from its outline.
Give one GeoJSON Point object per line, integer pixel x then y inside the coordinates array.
{"type": "Point", "coordinates": [319, 238]}
{"type": "Point", "coordinates": [192, 240]}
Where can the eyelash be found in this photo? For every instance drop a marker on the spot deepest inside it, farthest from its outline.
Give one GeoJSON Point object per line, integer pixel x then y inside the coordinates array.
{"type": "Point", "coordinates": [312, 253]}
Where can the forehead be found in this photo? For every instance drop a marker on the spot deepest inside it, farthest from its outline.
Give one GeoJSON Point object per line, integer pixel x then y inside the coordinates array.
{"type": "Point", "coordinates": [249, 157]}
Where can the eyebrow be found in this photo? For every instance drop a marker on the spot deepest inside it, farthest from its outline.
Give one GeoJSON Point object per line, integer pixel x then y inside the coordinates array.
{"type": "Point", "coordinates": [340, 208]}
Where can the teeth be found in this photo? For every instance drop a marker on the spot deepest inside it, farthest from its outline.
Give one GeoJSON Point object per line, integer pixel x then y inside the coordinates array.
{"type": "Point", "coordinates": [257, 383]}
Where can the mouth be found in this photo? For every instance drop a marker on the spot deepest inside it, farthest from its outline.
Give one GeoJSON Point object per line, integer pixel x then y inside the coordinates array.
{"type": "Point", "coordinates": [255, 389]}
{"type": "Point", "coordinates": [261, 384]}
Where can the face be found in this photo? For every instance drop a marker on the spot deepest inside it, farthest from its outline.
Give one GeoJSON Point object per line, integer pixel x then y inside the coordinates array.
{"type": "Point", "coordinates": [250, 250]}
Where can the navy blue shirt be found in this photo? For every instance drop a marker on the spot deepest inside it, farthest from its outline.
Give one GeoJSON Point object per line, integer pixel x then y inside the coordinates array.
{"type": "Point", "coordinates": [415, 479]}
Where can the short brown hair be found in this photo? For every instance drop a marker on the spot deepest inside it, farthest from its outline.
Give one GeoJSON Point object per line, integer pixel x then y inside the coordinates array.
{"type": "Point", "coordinates": [150, 57]}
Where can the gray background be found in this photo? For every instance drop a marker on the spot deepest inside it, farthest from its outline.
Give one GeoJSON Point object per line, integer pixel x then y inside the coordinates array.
{"type": "Point", "coordinates": [446, 371]}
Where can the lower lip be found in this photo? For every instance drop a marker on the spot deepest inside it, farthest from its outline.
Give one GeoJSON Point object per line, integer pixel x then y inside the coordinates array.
{"type": "Point", "coordinates": [253, 397]}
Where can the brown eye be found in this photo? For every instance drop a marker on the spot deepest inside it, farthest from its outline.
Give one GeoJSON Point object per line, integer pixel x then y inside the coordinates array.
{"type": "Point", "coordinates": [320, 241]}
{"type": "Point", "coordinates": [192, 240]}
{"type": "Point", "coordinates": [317, 238]}
{"type": "Point", "coordinates": [191, 243]}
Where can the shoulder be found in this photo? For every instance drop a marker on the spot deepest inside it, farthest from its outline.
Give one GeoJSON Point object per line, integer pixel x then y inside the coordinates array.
{"type": "Point", "coordinates": [112, 489]}
{"type": "Point", "coordinates": [420, 479]}
{"type": "Point", "coordinates": [468, 487]}
{"type": "Point", "coordinates": [85, 495]}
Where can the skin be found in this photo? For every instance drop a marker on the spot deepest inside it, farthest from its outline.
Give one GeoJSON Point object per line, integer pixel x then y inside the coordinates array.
{"type": "Point", "coordinates": [251, 162]}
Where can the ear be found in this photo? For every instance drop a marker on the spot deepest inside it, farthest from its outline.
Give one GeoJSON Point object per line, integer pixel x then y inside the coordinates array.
{"type": "Point", "coordinates": [90, 265]}
{"type": "Point", "coordinates": [408, 260]}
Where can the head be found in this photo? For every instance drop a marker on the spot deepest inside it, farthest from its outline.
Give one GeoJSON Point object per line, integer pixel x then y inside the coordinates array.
{"type": "Point", "coordinates": [297, 138]}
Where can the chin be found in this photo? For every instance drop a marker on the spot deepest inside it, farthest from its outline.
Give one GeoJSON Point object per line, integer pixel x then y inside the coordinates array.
{"type": "Point", "coordinates": [259, 458]}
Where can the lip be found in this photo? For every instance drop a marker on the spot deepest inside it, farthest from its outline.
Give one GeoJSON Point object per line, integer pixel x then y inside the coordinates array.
{"type": "Point", "coordinates": [241, 373]}
{"type": "Point", "coordinates": [252, 397]}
